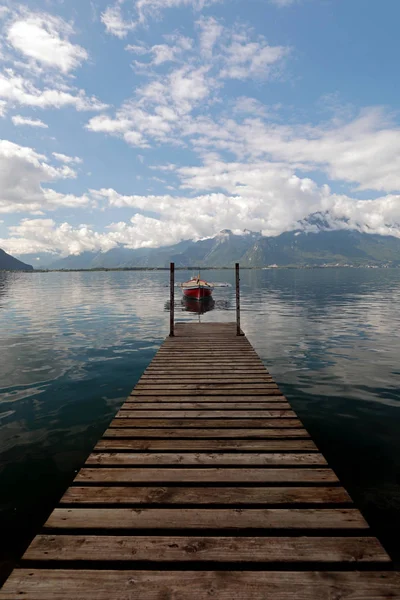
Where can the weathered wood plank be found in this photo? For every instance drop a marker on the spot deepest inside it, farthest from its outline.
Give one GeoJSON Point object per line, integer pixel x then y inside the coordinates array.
{"type": "Point", "coordinates": [193, 445]}
{"type": "Point", "coordinates": [64, 584]}
{"type": "Point", "coordinates": [206, 423]}
{"type": "Point", "coordinates": [246, 394]}
{"type": "Point", "coordinates": [206, 406]}
{"type": "Point", "coordinates": [184, 495]}
{"type": "Point", "coordinates": [273, 396]}
{"type": "Point", "coordinates": [208, 379]}
{"type": "Point", "coordinates": [205, 475]}
{"type": "Point", "coordinates": [205, 458]}
{"type": "Point", "coordinates": [204, 414]}
{"type": "Point", "coordinates": [205, 433]}
{"type": "Point", "coordinates": [214, 371]}
{"type": "Point", "coordinates": [205, 361]}
{"type": "Point", "coordinates": [203, 518]}
{"type": "Point", "coordinates": [205, 386]}
{"type": "Point", "coordinates": [216, 549]}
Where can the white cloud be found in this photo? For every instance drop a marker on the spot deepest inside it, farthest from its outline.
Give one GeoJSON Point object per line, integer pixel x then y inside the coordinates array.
{"type": "Point", "coordinates": [19, 120]}
{"type": "Point", "coordinates": [141, 10]}
{"type": "Point", "coordinates": [243, 104]}
{"type": "Point", "coordinates": [115, 23]}
{"type": "Point", "coordinates": [44, 39]}
{"type": "Point", "coordinates": [44, 235]}
{"type": "Point", "coordinates": [67, 159]}
{"type": "Point", "coordinates": [160, 108]}
{"type": "Point", "coordinates": [22, 173]}
{"type": "Point", "coordinates": [265, 197]}
{"type": "Point", "coordinates": [283, 3]}
{"type": "Point", "coordinates": [163, 110]}
{"type": "Point", "coordinates": [245, 59]}
{"type": "Point", "coordinates": [16, 89]}
{"type": "Point", "coordinates": [162, 53]}
{"type": "Point", "coordinates": [211, 30]}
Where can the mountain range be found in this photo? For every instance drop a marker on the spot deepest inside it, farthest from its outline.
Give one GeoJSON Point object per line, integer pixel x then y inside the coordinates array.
{"type": "Point", "coordinates": [314, 243]}
{"type": "Point", "coordinates": [9, 263]}
{"type": "Point", "coordinates": [293, 248]}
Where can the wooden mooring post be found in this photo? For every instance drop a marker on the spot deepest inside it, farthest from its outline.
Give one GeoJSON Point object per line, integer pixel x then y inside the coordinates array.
{"type": "Point", "coordinates": [205, 484]}
{"type": "Point", "coordinates": [237, 283]}
{"type": "Point", "coordinates": [172, 299]}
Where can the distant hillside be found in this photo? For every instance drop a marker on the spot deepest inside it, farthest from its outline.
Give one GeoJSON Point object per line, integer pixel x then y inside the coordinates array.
{"type": "Point", "coordinates": [293, 248]}
{"type": "Point", "coordinates": [299, 248]}
{"type": "Point", "coordinates": [9, 263]}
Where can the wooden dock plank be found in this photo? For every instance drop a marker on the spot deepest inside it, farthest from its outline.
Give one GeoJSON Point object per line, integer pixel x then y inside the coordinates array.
{"type": "Point", "coordinates": [205, 458]}
{"type": "Point", "coordinates": [186, 495]}
{"type": "Point", "coordinates": [204, 379]}
{"type": "Point", "coordinates": [207, 406]}
{"type": "Point", "coordinates": [220, 391]}
{"type": "Point", "coordinates": [129, 413]}
{"type": "Point", "coordinates": [270, 396]}
{"type": "Point", "coordinates": [204, 518]}
{"type": "Point", "coordinates": [191, 433]}
{"type": "Point", "coordinates": [206, 423]}
{"type": "Point", "coordinates": [205, 448]}
{"type": "Point", "coordinates": [205, 475]}
{"type": "Point", "coordinates": [209, 445]}
{"type": "Point", "coordinates": [64, 584]}
{"type": "Point", "coordinates": [216, 549]}
{"type": "Point", "coordinates": [224, 386]}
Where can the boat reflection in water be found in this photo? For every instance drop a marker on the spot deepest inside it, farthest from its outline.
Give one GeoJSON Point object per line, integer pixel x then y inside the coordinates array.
{"type": "Point", "coordinates": [198, 306]}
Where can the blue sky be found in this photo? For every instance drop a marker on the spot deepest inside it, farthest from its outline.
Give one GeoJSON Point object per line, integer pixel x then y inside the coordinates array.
{"type": "Point", "coordinates": [144, 122]}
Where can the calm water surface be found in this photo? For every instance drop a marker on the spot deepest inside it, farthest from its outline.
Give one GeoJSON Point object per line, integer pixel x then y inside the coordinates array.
{"type": "Point", "coordinates": [72, 346]}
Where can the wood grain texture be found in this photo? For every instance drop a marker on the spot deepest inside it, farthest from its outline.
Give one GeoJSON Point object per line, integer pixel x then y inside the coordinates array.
{"type": "Point", "coordinates": [203, 518]}
{"type": "Point", "coordinates": [216, 549]}
{"type": "Point", "coordinates": [231, 393]}
{"type": "Point", "coordinates": [206, 423]}
{"type": "Point", "coordinates": [206, 406]}
{"type": "Point", "coordinates": [184, 495]}
{"type": "Point", "coordinates": [64, 584]}
{"type": "Point", "coordinates": [224, 386]}
{"type": "Point", "coordinates": [206, 448]}
{"type": "Point", "coordinates": [204, 379]}
{"type": "Point", "coordinates": [193, 445]}
{"type": "Point", "coordinates": [271, 396]}
{"type": "Point", "coordinates": [205, 458]}
{"type": "Point", "coordinates": [126, 413]}
{"type": "Point", "coordinates": [190, 433]}
{"type": "Point", "coordinates": [208, 475]}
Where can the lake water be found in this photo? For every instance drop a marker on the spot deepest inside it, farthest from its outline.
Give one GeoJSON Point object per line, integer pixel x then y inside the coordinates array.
{"type": "Point", "coordinates": [73, 345]}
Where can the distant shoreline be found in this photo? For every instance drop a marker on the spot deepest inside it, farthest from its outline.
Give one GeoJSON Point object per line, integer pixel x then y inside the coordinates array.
{"type": "Point", "coordinates": [267, 268]}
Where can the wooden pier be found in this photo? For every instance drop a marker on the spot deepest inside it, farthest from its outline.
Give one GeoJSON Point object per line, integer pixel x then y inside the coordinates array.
{"type": "Point", "coordinates": [205, 485]}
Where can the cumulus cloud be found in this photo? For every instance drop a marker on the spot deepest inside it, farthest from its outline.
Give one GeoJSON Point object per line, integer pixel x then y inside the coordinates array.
{"type": "Point", "coordinates": [44, 39]}
{"type": "Point", "coordinates": [69, 160]}
{"type": "Point", "coordinates": [44, 235]}
{"type": "Point", "coordinates": [159, 109]}
{"type": "Point", "coordinates": [23, 171]}
{"type": "Point", "coordinates": [245, 59]}
{"type": "Point", "coordinates": [289, 200]}
{"type": "Point", "coordinates": [162, 53]}
{"type": "Point", "coordinates": [163, 110]}
{"type": "Point", "coordinates": [210, 31]}
{"type": "Point", "coordinates": [115, 23]}
{"type": "Point", "coordinates": [19, 120]}
{"type": "Point", "coordinates": [139, 11]}
{"type": "Point", "coordinates": [16, 89]}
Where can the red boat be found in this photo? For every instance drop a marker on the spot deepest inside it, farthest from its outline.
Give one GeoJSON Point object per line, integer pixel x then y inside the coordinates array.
{"type": "Point", "coordinates": [197, 288]}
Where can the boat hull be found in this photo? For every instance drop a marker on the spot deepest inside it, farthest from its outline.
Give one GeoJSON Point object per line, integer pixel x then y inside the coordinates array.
{"type": "Point", "coordinates": [197, 292]}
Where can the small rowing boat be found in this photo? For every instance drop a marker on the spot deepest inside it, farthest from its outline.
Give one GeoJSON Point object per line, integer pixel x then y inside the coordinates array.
{"type": "Point", "coordinates": [197, 288]}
